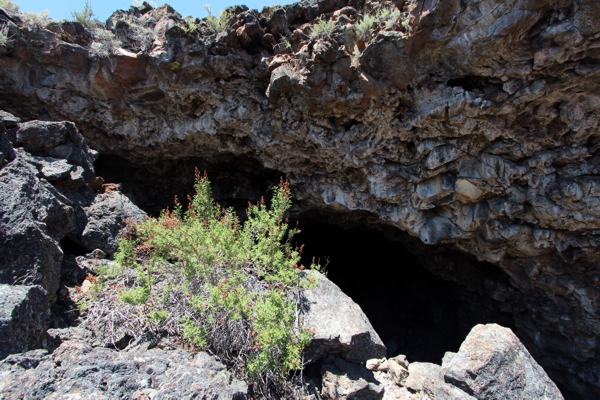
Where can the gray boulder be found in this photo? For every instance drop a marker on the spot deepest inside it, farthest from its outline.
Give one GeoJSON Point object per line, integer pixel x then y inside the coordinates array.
{"type": "Point", "coordinates": [102, 373]}
{"type": "Point", "coordinates": [493, 364]}
{"type": "Point", "coordinates": [424, 377]}
{"type": "Point", "coordinates": [344, 380]}
{"type": "Point", "coordinates": [8, 121]}
{"type": "Point", "coordinates": [397, 373]}
{"type": "Point", "coordinates": [34, 217]}
{"type": "Point", "coordinates": [100, 218]}
{"type": "Point", "coordinates": [60, 140]}
{"type": "Point", "coordinates": [338, 324]}
{"type": "Point", "coordinates": [24, 318]}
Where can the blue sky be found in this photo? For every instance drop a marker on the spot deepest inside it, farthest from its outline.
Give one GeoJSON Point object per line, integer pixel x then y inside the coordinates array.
{"type": "Point", "coordinates": [104, 8]}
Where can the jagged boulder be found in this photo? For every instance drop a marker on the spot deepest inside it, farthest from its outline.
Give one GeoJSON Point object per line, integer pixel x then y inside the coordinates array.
{"type": "Point", "coordinates": [24, 318]}
{"type": "Point", "coordinates": [424, 377]}
{"type": "Point", "coordinates": [338, 324]}
{"type": "Point", "coordinates": [100, 217]}
{"type": "Point", "coordinates": [34, 218]}
{"type": "Point", "coordinates": [77, 367]}
{"type": "Point", "coordinates": [493, 364]}
{"type": "Point", "coordinates": [57, 140]}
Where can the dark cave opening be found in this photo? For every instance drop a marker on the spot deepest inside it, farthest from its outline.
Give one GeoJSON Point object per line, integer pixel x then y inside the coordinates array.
{"type": "Point", "coordinates": [414, 312]}
{"type": "Point", "coordinates": [153, 184]}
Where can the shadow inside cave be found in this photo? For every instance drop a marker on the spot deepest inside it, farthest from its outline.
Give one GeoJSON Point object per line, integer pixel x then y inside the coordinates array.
{"type": "Point", "coordinates": [414, 312]}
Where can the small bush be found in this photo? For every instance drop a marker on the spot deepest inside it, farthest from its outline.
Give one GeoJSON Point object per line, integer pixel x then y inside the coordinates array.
{"type": "Point", "coordinates": [385, 17]}
{"type": "Point", "coordinates": [322, 29]}
{"type": "Point", "coordinates": [388, 17]}
{"type": "Point", "coordinates": [214, 24]}
{"type": "Point", "coordinates": [364, 26]}
{"type": "Point", "coordinates": [104, 42]}
{"type": "Point", "coordinates": [9, 5]}
{"type": "Point", "coordinates": [135, 296]}
{"type": "Point", "coordinates": [229, 287]}
{"type": "Point", "coordinates": [36, 19]}
{"type": "Point", "coordinates": [190, 26]}
{"type": "Point", "coordinates": [4, 35]}
{"type": "Point", "coordinates": [85, 15]}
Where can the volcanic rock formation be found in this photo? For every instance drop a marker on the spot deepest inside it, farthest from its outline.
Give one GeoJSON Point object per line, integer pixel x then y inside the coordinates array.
{"type": "Point", "coordinates": [470, 125]}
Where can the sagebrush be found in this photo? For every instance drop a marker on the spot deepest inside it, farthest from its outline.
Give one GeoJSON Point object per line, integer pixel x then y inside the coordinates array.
{"type": "Point", "coordinates": [9, 5]}
{"type": "Point", "coordinates": [322, 28]}
{"type": "Point", "coordinates": [228, 287]}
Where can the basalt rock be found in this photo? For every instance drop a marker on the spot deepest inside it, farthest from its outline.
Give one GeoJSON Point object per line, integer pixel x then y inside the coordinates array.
{"type": "Point", "coordinates": [35, 217]}
{"type": "Point", "coordinates": [493, 364]}
{"type": "Point", "coordinates": [100, 217]}
{"type": "Point", "coordinates": [96, 372]}
{"type": "Point", "coordinates": [471, 125]}
{"type": "Point", "coordinates": [338, 324]}
{"type": "Point", "coordinates": [24, 318]}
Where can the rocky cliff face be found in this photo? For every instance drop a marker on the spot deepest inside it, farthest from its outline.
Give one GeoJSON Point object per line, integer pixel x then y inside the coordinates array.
{"type": "Point", "coordinates": [471, 125]}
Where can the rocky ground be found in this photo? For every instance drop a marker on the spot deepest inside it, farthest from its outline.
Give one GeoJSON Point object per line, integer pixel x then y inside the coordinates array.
{"type": "Point", "coordinates": [470, 126]}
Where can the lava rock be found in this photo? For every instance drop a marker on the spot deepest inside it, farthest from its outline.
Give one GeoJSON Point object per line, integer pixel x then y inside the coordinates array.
{"type": "Point", "coordinates": [493, 364]}
{"type": "Point", "coordinates": [7, 152]}
{"type": "Point", "coordinates": [397, 373]}
{"type": "Point", "coordinates": [344, 380]}
{"type": "Point", "coordinates": [104, 373]}
{"type": "Point", "coordinates": [35, 217]}
{"type": "Point", "coordinates": [338, 324]}
{"type": "Point", "coordinates": [8, 120]}
{"type": "Point", "coordinates": [424, 377]}
{"type": "Point", "coordinates": [24, 318]}
{"type": "Point", "coordinates": [100, 218]}
{"type": "Point", "coordinates": [58, 140]}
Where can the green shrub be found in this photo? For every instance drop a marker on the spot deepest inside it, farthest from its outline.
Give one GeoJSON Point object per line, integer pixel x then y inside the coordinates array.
{"type": "Point", "coordinates": [159, 315]}
{"type": "Point", "coordinates": [4, 35]}
{"type": "Point", "coordinates": [388, 17]}
{"type": "Point", "coordinates": [104, 43]}
{"type": "Point", "coordinates": [36, 19]}
{"type": "Point", "coordinates": [364, 26]}
{"type": "Point", "coordinates": [9, 5]}
{"type": "Point", "coordinates": [223, 285]}
{"type": "Point", "coordinates": [214, 24]}
{"type": "Point", "coordinates": [322, 28]}
{"type": "Point", "coordinates": [190, 26]}
{"type": "Point", "coordinates": [85, 15]}
{"type": "Point", "coordinates": [136, 295]}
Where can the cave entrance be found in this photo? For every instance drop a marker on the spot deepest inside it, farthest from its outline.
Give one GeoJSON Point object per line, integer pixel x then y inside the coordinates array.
{"type": "Point", "coordinates": [414, 312]}
{"type": "Point", "coordinates": [152, 185]}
